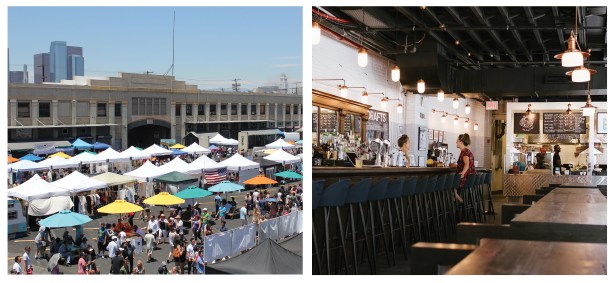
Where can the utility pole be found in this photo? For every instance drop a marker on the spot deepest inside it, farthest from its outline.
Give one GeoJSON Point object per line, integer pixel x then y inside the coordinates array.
{"type": "Point", "coordinates": [236, 85]}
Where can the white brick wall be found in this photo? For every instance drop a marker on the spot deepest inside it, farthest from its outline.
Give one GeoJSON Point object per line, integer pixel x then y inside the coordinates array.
{"type": "Point", "coordinates": [333, 59]}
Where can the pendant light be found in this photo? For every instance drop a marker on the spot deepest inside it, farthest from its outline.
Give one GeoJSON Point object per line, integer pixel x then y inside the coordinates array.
{"type": "Point", "coordinates": [420, 86]}
{"type": "Point", "coordinates": [383, 102]}
{"type": "Point", "coordinates": [400, 108]}
{"type": "Point", "coordinates": [569, 111]}
{"type": "Point", "coordinates": [466, 123]}
{"type": "Point", "coordinates": [581, 74]}
{"type": "Point", "coordinates": [476, 127]}
{"type": "Point", "coordinates": [315, 33]}
{"type": "Point", "coordinates": [362, 57]}
{"type": "Point", "coordinates": [395, 74]}
{"type": "Point", "coordinates": [344, 91]}
{"type": "Point", "coordinates": [572, 57]}
{"type": "Point", "coordinates": [440, 95]}
{"type": "Point", "coordinates": [588, 109]}
{"type": "Point", "coordinates": [455, 103]}
{"type": "Point", "coordinates": [456, 120]}
{"type": "Point", "coordinates": [364, 97]}
{"type": "Point", "coordinates": [443, 119]}
{"type": "Point", "coordinates": [468, 109]}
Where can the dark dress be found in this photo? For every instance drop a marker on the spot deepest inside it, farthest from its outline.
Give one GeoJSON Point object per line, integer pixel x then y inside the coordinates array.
{"type": "Point", "coordinates": [460, 165]}
{"type": "Point", "coordinates": [557, 161]}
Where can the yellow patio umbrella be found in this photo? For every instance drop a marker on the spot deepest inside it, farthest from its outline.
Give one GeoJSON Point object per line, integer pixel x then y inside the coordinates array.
{"type": "Point", "coordinates": [260, 180]}
{"type": "Point", "coordinates": [60, 154]}
{"type": "Point", "coordinates": [120, 206]}
{"type": "Point", "coordinates": [164, 198]}
{"type": "Point", "coordinates": [178, 146]}
{"type": "Point", "coordinates": [270, 151]}
{"type": "Point", "coordinates": [12, 159]}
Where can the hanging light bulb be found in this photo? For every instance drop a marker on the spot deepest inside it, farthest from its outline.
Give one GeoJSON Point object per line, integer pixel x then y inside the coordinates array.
{"type": "Point", "coordinates": [315, 33]}
{"type": "Point", "coordinates": [395, 74]}
{"type": "Point", "coordinates": [343, 91]}
{"type": "Point", "coordinates": [569, 111]}
{"type": "Point", "coordinates": [476, 127]}
{"type": "Point", "coordinates": [528, 112]}
{"type": "Point", "coordinates": [443, 119]}
{"type": "Point", "coordinates": [588, 109]}
{"type": "Point", "coordinates": [468, 109]}
{"type": "Point", "coordinates": [420, 86]}
{"type": "Point", "coordinates": [456, 120]}
{"type": "Point", "coordinates": [581, 74]}
{"type": "Point", "coordinates": [383, 102]}
{"type": "Point", "coordinates": [362, 57]}
{"type": "Point", "coordinates": [400, 108]}
{"type": "Point", "coordinates": [455, 103]}
{"type": "Point", "coordinates": [364, 97]}
{"type": "Point", "coordinates": [572, 57]}
{"type": "Point", "coordinates": [466, 123]}
{"type": "Point", "coordinates": [440, 95]}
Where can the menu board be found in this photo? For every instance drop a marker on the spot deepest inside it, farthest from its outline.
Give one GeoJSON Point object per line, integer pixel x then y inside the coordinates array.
{"type": "Point", "coordinates": [314, 122]}
{"type": "Point", "coordinates": [562, 123]}
{"type": "Point", "coordinates": [347, 123]}
{"type": "Point", "coordinates": [328, 122]}
{"type": "Point", "coordinates": [526, 124]}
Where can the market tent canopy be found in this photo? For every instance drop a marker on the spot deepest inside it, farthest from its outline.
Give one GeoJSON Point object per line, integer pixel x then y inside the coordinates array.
{"type": "Point", "coordinates": [294, 244]}
{"type": "Point", "coordinates": [36, 188]}
{"type": "Point", "coordinates": [204, 163]}
{"type": "Point", "coordinates": [100, 145]}
{"type": "Point", "coordinates": [164, 198]}
{"type": "Point", "coordinates": [80, 144]}
{"type": "Point", "coordinates": [77, 182]}
{"type": "Point", "coordinates": [25, 165]}
{"type": "Point", "coordinates": [120, 206]}
{"type": "Point", "coordinates": [146, 171]}
{"type": "Point", "coordinates": [31, 157]}
{"type": "Point", "coordinates": [177, 164]}
{"type": "Point", "coordinates": [12, 159]}
{"type": "Point", "coordinates": [289, 175]}
{"type": "Point", "coordinates": [178, 152]}
{"type": "Point", "coordinates": [156, 150]}
{"type": "Point", "coordinates": [213, 147]}
{"type": "Point", "coordinates": [229, 142]}
{"type": "Point", "coordinates": [225, 187]}
{"type": "Point", "coordinates": [134, 153]}
{"type": "Point", "coordinates": [58, 162]}
{"type": "Point", "coordinates": [178, 146]}
{"type": "Point", "coordinates": [60, 154]}
{"type": "Point", "coordinates": [65, 218]}
{"type": "Point", "coordinates": [266, 258]}
{"type": "Point", "coordinates": [238, 162]}
{"type": "Point", "coordinates": [193, 192]}
{"type": "Point", "coordinates": [112, 179]}
{"type": "Point", "coordinates": [176, 178]}
{"type": "Point", "coordinates": [47, 206]}
{"type": "Point", "coordinates": [260, 180]}
{"type": "Point", "coordinates": [85, 157]}
{"type": "Point", "coordinates": [279, 143]}
{"type": "Point", "coordinates": [216, 139]}
{"type": "Point", "coordinates": [283, 157]}
{"type": "Point", "coordinates": [110, 155]}
{"type": "Point", "coordinates": [195, 148]}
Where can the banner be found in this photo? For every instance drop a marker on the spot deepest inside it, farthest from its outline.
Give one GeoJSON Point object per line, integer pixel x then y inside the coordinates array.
{"type": "Point", "coordinates": [244, 238]}
{"type": "Point", "coordinates": [299, 227]}
{"type": "Point", "coordinates": [217, 246]}
{"type": "Point", "coordinates": [269, 230]}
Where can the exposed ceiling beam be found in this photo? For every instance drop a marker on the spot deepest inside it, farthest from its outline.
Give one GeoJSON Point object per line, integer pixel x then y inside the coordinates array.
{"type": "Point", "coordinates": [479, 14]}
{"type": "Point", "coordinates": [530, 16]}
{"type": "Point", "coordinates": [454, 35]}
{"type": "Point", "coordinates": [515, 33]}
{"type": "Point", "coordinates": [472, 33]}
{"type": "Point", "coordinates": [560, 32]}
{"type": "Point", "coordinates": [582, 34]}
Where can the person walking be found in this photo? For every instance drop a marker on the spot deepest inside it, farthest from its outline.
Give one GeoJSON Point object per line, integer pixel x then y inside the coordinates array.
{"type": "Point", "coordinates": [150, 244]}
{"type": "Point", "coordinates": [191, 254]}
{"type": "Point", "coordinates": [27, 263]}
{"type": "Point", "coordinates": [17, 266]}
{"type": "Point", "coordinates": [200, 262]}
{"type": "Point", "coordinates": [243, 214]}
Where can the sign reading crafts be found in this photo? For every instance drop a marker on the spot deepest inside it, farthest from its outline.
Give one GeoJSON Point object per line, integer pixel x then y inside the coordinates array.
{"type": "Point", "coordinates": [377, 125]}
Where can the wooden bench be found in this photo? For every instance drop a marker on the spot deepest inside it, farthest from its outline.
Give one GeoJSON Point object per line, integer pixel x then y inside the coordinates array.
{"type": "Point", "coordinates": [427, 258]}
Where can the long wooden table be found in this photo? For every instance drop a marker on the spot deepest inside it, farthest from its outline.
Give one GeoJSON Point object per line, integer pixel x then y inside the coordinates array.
{"type": "Point", "coordinates": [517, 257]}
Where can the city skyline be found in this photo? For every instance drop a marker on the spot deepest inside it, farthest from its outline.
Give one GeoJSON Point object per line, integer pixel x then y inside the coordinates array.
{"type": "Point", "coordinates": [213, 45]}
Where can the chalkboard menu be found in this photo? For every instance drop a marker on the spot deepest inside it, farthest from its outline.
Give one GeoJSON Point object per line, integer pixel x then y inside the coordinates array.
{"type": "Point", "coordinates": [328, 122]}
{"type": "Point", "coordinates": [562, 123]}
{"type": "Point", "coordinates": [314, 122]}
{"type": "Point", "coordinates": [347, 123]}
{"type": "Point", "coordinates": [525, 124]}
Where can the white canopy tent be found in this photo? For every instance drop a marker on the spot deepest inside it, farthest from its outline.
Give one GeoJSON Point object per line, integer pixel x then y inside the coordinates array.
{"type": "Point", "coordinates": [134, 154]}
{"type": "Point", "coordinates": [77, 182]}
{"type": "Point", "coordinates": [36, 188]}
{"type": "Point", "coordinates": [195, 148]}
{"type": "Point", "coordinates": [283, 157]}
{"type": "Point", "coordinates": [279, 143]}
{"type": "Point", "coordinates": [84, 158]}
{"type": "Point", "coordinates": [146, 171]}
{"type": "Point", "coordinates": [229, 142]}
{"type": "Point", "coordinates": [156, 150]}
{"type": "Point", "coordinates": [110, 155]}
{"type": "Point", "coordinates": [25, 165]}
{"type": "Point", "coordinates": [176, 164]}
{"type": "Point", "coordinates": [239, 163]}
{"type": "Point", "coordinates": [112, 179]}
{"type": "Point", "coordinates": [203, 163]}
{"type": "Point", "coordinates": [58, 162]}
{"type": "Point", "coordinates": [41, 207]}
{"type": "Point", "coordinates": [217, 139]}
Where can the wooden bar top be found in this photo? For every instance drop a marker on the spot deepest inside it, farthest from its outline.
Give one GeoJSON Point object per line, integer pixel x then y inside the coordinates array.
{"type": "Point", "coordinates": [325, 172]}
{"type": "Point", "coordinates": [517, 257]}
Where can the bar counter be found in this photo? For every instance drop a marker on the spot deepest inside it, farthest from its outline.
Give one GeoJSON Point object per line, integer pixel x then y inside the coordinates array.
{"type": "Point", "coordinates": [526, 184]}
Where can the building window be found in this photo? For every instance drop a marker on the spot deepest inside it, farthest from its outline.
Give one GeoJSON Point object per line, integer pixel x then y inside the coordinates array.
{"type": "Point", "coordinates": [262, 110]}
{"type": "Point", "coordinates": [288, 109]}
{"type": "Point", "coordinates": [233, 109]}
{"type": "Point", "coordinates": [253, 109]}
{"type": "Point", "coordinates": [118, 110]}
{"type": "Point", "coordinates": [189, 109]}
{"type": "Point", "coordinates": [244, 109]}
{"type": "Point", "coordinates": [23, 109]}
{"type": "Point", "coordinates": [178, 110]}
{"type": "Point", "coordinates": [101, 110]}
{"type": "Point", "coordinates": [201, 109]}
{"type": "Point", "coordinates": [212, 109]}
{"type": "Point", "coordinates": [44, 109]}
{"type": "Point", "coordinates": [12, 215]}
{"type": "Point", "coordinates": [295, 109]}
{"type": "Point", "coordinates": [223, 109]}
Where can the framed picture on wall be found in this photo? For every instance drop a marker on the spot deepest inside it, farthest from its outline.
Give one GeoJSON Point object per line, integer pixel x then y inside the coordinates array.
{"type": "Point", "coordinates": [430, 134]}
{"type": "Point", "coordinates": [444, 137]}
{"type": "Point", "coordinates": [422, 161]}
{"type": "Point", "coordinates": [440, 136]}
{"type": "Point", "coordinates": [422, 138]}
{"type": "Point", "coordinates": [601, 123]}
{"type": "Point", "coordinates": [435, 135]}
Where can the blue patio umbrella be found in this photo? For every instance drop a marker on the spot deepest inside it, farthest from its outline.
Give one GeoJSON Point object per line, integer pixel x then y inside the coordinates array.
{"type": "Point", "coordinates": [271, 200]}
{"type": "Point", "coordinates": [225, 187]}
{"type": "Point", "coordinates": [178, 151]}
{"type": "Point", "coordinates": [100, 145]}
{"type": "Point", "coordinates": [65, 218]}
{"type": "Point", "coordinates": [289, 174]}
{"type": "Point", "coordinates": [80, 144]}
{"type": "Point", "coordinates": [193, 192]}
{"type": "Point", "coordinates": [31, 157]}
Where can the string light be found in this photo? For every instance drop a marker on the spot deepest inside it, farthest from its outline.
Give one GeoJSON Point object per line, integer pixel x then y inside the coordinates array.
{"type": "Point", "coordinates": [476, 127]}
{"type": "Point", "coordinates": [420, 86]}
{"type": "Point", "coordinates": [343, 91]}
{"type": "Point", "coordinates": [400, 108]}
{"type": "Point", "coordinates": [466, 123]}
{"type": "Point", "coordinates": [395, 74]}
{"type": "Point", "coordinates": [468, 109]}
{"type": "Point", "coordinates": [456, 120]}
{"type": "Point", "coordinates": [364, 97]}
{"type": "Point", "coordinates": [362, 57]}
{"type": "Point", "coordinates": [455, 103]}
{"type": "Point", "coordinates": [440, 95]}
{"type": "Point", "coordinates": [383, 102]}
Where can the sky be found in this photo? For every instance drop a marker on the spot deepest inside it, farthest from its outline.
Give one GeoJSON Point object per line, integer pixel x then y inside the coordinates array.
{"type": "Point", "coordinates": [213, 45]}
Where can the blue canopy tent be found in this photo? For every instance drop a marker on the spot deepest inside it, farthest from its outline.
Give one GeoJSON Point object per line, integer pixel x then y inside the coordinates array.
{"type": "Point", "coordinates": [31, 157]}
{"type": "Point", "coordinates": [80, 144]}
{"type": "Point", "coordinates": [100, 146]}
{"type": "Point", "coordinates": [178, 152]}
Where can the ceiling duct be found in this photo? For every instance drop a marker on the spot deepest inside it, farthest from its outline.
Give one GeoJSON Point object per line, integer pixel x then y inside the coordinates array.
{"type": "Point", "coordinates": [375, 17]}
{"type": "Point", "coordinates": [429, 63]}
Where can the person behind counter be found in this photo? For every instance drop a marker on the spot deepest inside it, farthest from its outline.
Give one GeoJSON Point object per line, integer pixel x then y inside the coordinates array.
{"type": "Point", "coordinates": [404, 146]}
{"type": "Point", "coordinates": [557, 160]}
{"type": "Point", "coordinates": [465, 162]}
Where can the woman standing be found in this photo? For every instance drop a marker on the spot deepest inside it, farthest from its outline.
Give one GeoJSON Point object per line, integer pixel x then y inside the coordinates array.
{"type": "Point", "coordinates": [465, 162]}
{"type": "Point", "coordinates": [404, 146]}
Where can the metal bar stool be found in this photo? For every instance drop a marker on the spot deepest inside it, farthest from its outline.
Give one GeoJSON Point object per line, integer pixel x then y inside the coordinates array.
{"type": "Point", "coordinates": [466, 207]}
{"type": "Point", "coordinates": [436, 196]}
{"type": "Point", "coordinates": [357, 196]}
{"type": "Point", "coordinates": [334, 196]}
{"type": "Point", "coordinates": [376, 195]}
{"type": "Point", "coordinates": [393, 197]}
{"type": "Point", "coordinates": [428, 207]}
{"type": "Point", "coordinates": [317, 187]}
{"type": "Point", "coordinates": [445, 201]}
{"type": "Point", "coordinates": [490, 209]}
{"type": "Point", "coordinates": [406, 207]}
{"type": "Point", "coordinates": [414, 212]}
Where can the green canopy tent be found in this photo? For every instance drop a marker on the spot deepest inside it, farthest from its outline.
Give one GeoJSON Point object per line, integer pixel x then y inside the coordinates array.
{"type": "Point", "coordinates": [176, 181]}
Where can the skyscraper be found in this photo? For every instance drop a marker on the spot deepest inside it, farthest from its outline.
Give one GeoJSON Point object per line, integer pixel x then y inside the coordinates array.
{"type": "Point", "coordinates": [41, 64]}
{"type": "Point", "coordinates": [283, 88]}
{"type": "Point", "coordinates": [58, 60]}
{"type": "Point", "coordinates": [75, 66]}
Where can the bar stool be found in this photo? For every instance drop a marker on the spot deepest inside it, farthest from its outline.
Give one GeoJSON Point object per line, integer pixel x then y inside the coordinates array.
{"type": "Point", "coordinates": [481, 197]}
{"type": "Point", "coordinates": [375, 197]}
{"type": "Point", "coordinates": [417, 204]}
{"type": "Point", "coordinates": [357, 196]}
{"type": "Point", "coordinates": [317, 188]}
{"type": "Point", "coordinates": [392, 197]}
{"type": "Point", "coordinates": [446, 208]}
{"type": "Point", "coordinates": [428, 207]}
{"type": "Point", "coordinates": [490, 209]}
{"type": "Point", "coordinates": [437, 207]}
{"type": "Point", "coordinates": [334, 196]}
{"type": "Point", "coordinates": [407, 208]}
{"type": "Point", "coordinates": [475, 200]}
{"type": "Point", "coordinates": [467, 206]}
